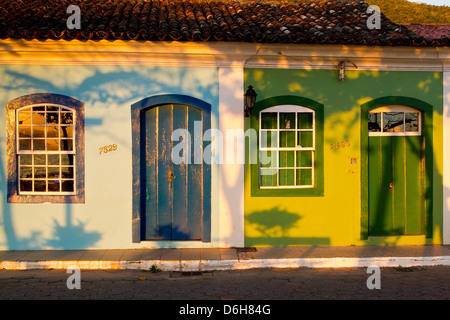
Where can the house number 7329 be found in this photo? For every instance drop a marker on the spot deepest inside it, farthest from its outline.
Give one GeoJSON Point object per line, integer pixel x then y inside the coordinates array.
{"type": "Point", "coordinates": [106, 149]}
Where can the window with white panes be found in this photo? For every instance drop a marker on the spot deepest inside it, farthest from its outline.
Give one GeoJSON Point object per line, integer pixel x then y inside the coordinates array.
{"type": "Point", "coordinates": [45, 136]}
{"type": "Point", "coordinates": [286, 147]}
{"type": "Point", "coordinates": [395, 120]}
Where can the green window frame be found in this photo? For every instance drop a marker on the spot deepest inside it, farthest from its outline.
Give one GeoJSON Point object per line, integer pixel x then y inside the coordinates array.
{"type": "Point", "coordinates": [290, 164]}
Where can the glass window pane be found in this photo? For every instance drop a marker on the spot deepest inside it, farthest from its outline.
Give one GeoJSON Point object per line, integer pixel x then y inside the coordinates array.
{"type": "Point", "coordinates": [24, 131]}
{"type": "Point", "coordinates": [66, 118]}
{"type": "Point", "coordinates": [53, 186]}
{"type": "Point", "coordinates": [411, 122]}
{"type": "Point", "coordinates": [39, 108]}
{"type": "Point", "coordinates": [287, 159]}
{"type": "Point", "coordinates": [67, 172]}
{"type": "Point", "coordinates": [67, 186]}
{"type": "Point", "coordinates": [66, 159]}
{"type": "Point", "coordinates": [52, 144]}
{"type": "Point", "coordinates": [38, 132]}
{"type": "Point", "coordinates": [374, 122]}
{"type": "Point", "coordinates": [52, 131]}
{"type": "Point", "coordinates": [268, 177]}
{"type": "Point", "coordinates": [26, 172]}
{"type": "Point", "coordinates": [305, 139]}
{"type": "Point", "coordinates": [25, 159]}
{"type": "Point", "coordinates": [24, 117]}
{"type": "Point", "coordinates": [66, 131]}
{"type": "Point", "coordinates": [305, 120]}
{"type": "Point", "coordinates": [40, 172]}
{"type": "Point", "coordinates": [53, 173]}
{"type": "Point", "coordinates": [268, 159]}
{"type": "Point", "coordinates": [53, 159]}
{"type": "Point", "coordinates": [40, 186]}
{"type": "Point", "coordinates": [52, 118]}
{"type": "Point", "coordinates": [304, 159]}
{"type": "Point", "coordinates": [269, 139]}
{"type": "Point", "coordinates": [304, 177]}
{"type": "Point", "coordinates": [287, 177]}
{"type": "Point", "coordinates": [269, 120]}
{"type": "Point", "coordinates": [26, 185]}
{"type": "Point", "coordinates": [287, 120]}
{"type": "Point", "coordinates": [287, 139]}
{"type": "Point", "coordinates": [38, 117]}
{"type": "Point", "coordinates": [39, 160]}
{"type": "Point", "coordinates": [24, 144]}
{"type": "Point", "coordinates": [52, 108]}
{"type": "Point", "coordinates": [393, 122]}
{"type": "Point", "coordinates": [38, 144]}
{"type": "Point", "coordinates": [66, 145]}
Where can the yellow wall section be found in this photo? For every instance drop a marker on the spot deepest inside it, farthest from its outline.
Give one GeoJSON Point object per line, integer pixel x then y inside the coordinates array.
{"type": "Point", "coordinates": [334, 219]}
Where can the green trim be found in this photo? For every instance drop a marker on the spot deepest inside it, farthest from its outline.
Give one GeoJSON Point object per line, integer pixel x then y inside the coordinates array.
{"type": "Point", "coordinates": [318, 190]}
{"type": "Point", "coordinates": [427, 127]}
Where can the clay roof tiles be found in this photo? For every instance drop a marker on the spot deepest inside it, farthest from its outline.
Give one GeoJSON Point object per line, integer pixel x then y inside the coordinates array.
{"type": "Point", "coordinates": [315, 22]}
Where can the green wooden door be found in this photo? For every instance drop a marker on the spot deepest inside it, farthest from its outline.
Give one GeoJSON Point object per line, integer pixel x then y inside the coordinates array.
{"type": "Point", "coordinates": [396, 180]}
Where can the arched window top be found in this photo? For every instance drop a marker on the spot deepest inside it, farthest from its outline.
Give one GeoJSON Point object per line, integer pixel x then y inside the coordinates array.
{"type": "Point", "coordinates": [287, 108]}
{"type": "Point", "coordinates": [395, 120]}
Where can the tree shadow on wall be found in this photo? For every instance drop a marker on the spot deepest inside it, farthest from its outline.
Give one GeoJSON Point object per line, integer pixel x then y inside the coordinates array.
{"type": "Point", "coordinates": [274, 225]}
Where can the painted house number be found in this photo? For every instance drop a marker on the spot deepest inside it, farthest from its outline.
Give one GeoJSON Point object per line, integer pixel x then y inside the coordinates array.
{"type": "Point", "coordinates": [339, 145]}
{"type": "Point", "coordinates": [106, 149]}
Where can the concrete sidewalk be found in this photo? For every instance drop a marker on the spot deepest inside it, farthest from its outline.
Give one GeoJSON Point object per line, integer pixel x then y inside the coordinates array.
{"type": "Point", "coordinates": [197, 260]}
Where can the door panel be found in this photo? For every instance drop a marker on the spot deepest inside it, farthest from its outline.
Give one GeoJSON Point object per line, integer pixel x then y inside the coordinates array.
{"type": "Point", "coordinates": [395, 185]}
{"type": "Point", "coordinates": [174, 192]}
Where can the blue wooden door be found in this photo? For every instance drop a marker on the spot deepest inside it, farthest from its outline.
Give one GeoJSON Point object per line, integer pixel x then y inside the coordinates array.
{"type": "Point", "coordinates": [173, 197]}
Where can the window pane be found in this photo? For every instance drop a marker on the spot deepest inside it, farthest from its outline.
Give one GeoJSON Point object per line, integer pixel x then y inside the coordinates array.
{"type": "Point", "coordinates": [287, 120]}
{"type": "Point", "coordinates": [39, 160]}
{"type": "Point", "coordinates": [25, 159]}
{"type": "Point", "coordinates": [53, 186]}
{"type": "Point", "coordinates": [305, 139]}
{"type": "Point", "coordinates": [269, 120]}
{"type": "Point", "coordinates": [39, 108]}
{"type": "Point", "coordinates": [38, 117]}
{"type": "Point", "coordinates": [52, 118]}
{"type": "Point", "coordinates": [411, 122]}
{"type": "Point", "coordinates": [269, 139]}
{"type": "Point", "coordinates": [53, 173]}
{"type": "Point", "coordinates": [38, 144]}
{"type": "Point", "coordinates": [24, 144]}
{"type": "Point", "coordinates": [304, 177]}
{"type": "Point", "coordinates": [374, 122]}
{"type": "Point", "coordinates": [52, 131]}
{"type": "Point", "coordinates": [40, 172]}
{"type": "Point", "coordinates": [40, 185]}
{"type": "Point", "coordinates": [52, 144]}
{"type": "Point", "coordinates": [26, 185]}
{"type": "Point", "coordinates": [26, 172]}
{"type": "Point", "coordinates": [305, 120]}
{"type": "Point", "coordinates": [268, 177]}
{"type": "Point", "coordinates": [52, 108]}
{"type": "Point", "coordinates": [66, 131]}
{"type": "Point", "coordinates": [24, 117]}
{"type": "Point", "coordinates": [268, 159]}
{"type": "Point", "coordinates": [67, 172]}
{"type": "Point", "coordinates": [66, 145]}
{"type": "Point", "coordinates": [66, 159]}
{"type": "Point", "coordinates": [66, 118]}
{"type": "Point", "coordinates": [287, 177]}
{"type": "Point", "coordinates": [287, 139]}
{"type": "Point", "coordinates": [24, 131]}
{"type": "Point", "coordinates": [304, 159]}
{"type": "Point", "coordinates": [53, 159]}
{"type": "Point", "coordinates": [67, 186]}
{"type": "Point", "coordinates": [393, 122]}
{"type": "Point", "coordinates": [287, 159]}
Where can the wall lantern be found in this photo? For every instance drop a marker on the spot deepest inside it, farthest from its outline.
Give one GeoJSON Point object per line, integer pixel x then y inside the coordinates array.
{"type": "Point", "coordinates": [341, 68]}
{"type": "Point", "coordinates": [249, 101]}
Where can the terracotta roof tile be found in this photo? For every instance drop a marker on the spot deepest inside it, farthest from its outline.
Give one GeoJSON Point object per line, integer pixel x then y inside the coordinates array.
{"type": "Point", "coordinates": [317, 21]}
{"type": "Point", "coordinates": [431, 31]}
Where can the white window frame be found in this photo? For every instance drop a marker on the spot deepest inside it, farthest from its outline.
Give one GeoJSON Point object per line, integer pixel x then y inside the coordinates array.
{"type": "Point", "coordinates": [288, 109]}
{"type": "Point", "coordinates": [19, 152]}
{"type": "Point", "coordinates": [397, 108]}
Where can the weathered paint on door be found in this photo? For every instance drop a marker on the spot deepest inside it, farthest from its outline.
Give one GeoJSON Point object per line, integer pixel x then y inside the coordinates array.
{"type": "Point", "coordinates": [173, 193]}
{"type": "Point", "coordinates": [396, 178]}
